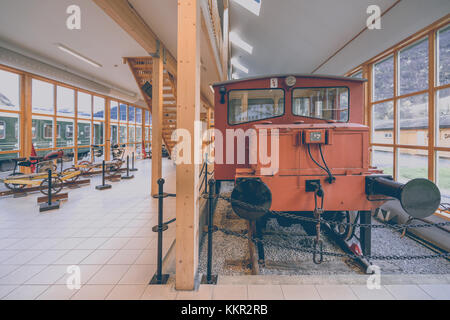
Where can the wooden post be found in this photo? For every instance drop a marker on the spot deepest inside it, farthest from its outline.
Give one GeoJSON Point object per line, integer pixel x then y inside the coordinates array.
{"type": "Point", "coordinates": [188, 111]}
{"type": "Point", "coordinates": [26, 121]}
{"type": "Point", "coordinates": [157, 114]}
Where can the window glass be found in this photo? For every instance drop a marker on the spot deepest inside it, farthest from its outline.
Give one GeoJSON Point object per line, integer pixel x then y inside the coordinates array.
{"type": "Point", "coordinates": [131, 114]}
{"type": "Point", "coordinates": [6, 164]}
{"type": "Point", "coordinates": [413, 120]}
{"type": "Point", "coordinates": [383, 159]}
{"type": "Point", "coordinates": [131, 134]}
{"type": "Point", "coordinates": [443, 118]}
{"type": "Point", "coordinates": [413, 66]}
{"type": "Point", "coordinates": [9, 90]}
{"type": "Point", "coordinates": [84, 105]}
{"type": "Point", "coordinates": [84, 133]}
{"type": "Point", "coordinates": [321, 103]}
{"type": "Point", "coordinates": [123, 112]}
{"type": "Point", "coordinates": [147, 117]}
{"type": "Point", "coordinates": [9, 132]}
{"type": "Point", "coordinates": [123, 134]}
{"type": "Point", "coordinates": [253, 105]}
{"type": "Point", "coordinates": [383, 123]}
{"type": "Point", "coordinates": [99, 130]}
{"type": "Point", "coordinates": [443, 59]}
{"type": "Point", "coordinates": [383, 79]}
{"type": "Point", "coordinates": [114, 110]}
{"type": "Point", "coordinates": [42, 129]}
{"type": "Point", "coordinates": [65, 137]}
{"type": "Point", "coordinates": [147, 134]}
{"type": "Point", "coordinates": [138, 115]}
{"type": "Point", "coordinates": [43, 98]}
{"type": "Point", "coordinates": [412, 164]}
{"type": "Point", "coordinates": [443, 175]}
{"type": "Point", "coordinates": [114, 134]}
{"type": "Point", "coordinates": [65, 105]}
{"type": "Point", "coordinates": [99, 108]}
{"type": "Point", "coordinates": [358, 75]}
{"type": "Point", "coordinates": [138, 134]}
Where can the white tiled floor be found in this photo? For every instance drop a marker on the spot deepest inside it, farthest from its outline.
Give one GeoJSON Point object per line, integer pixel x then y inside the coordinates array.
{"type": "Point", "coordinates": [106, 233]}
{"type": "Point", "coordinates": [108, 236]}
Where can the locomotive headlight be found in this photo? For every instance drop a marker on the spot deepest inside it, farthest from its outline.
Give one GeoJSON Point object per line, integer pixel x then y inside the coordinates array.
{"type": "Point", "coordinates": [291, 81]}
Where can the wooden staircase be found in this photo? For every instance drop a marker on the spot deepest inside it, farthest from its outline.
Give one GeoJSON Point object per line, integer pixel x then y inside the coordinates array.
{"type": "Point", "coordinates": [142, 68]}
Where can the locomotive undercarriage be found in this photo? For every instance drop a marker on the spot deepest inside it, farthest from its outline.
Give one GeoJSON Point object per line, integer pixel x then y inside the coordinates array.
{"type": "Point", "coordinates": [344, 235]}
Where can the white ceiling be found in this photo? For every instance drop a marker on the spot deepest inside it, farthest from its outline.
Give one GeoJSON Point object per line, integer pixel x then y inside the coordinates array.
{"type": "Point", "coordinates": [36, 26]}
{"type": "Point", "coordinates": [296, 36]}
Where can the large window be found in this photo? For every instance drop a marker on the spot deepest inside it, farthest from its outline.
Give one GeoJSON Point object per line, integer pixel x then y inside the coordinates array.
{"type": "Point", "coordinates": [84, 105]}
{"type": "Point", "coordinates": [9, 90]}
{"type": "Point", "coordinates": [413, 66]}
{"type": "Point", "coordinates": [65, 101]}
{"type": "Point", "coordinates": [321, 103]}
{"type": "Point", "coordinates": [253, 105]}
{"type": "Point", "coordinates": [62, 117]}
{"type": "Point", "coordinates": [10, 104]}
{"type": "Point", "coordinates": [410, 111]}
{"type": "Point", "coordinates": [443, 56]}
{"type": "Point", "coordinates": [383, 79]}
{"type": "Point", "coordinates": [43, 97]}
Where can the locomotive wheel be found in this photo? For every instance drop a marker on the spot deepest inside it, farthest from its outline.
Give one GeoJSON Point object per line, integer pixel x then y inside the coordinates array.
{"type": "Point", "coordinates": [252, 192]}
{"type": "Point", "coordinates": [71, 170]}
{"type": "Point", "coordinates": [57, 185]}
{"type": "Point", "coordinates": [345, 232]}
{"type": "Point", "coordinates": [12, 186]}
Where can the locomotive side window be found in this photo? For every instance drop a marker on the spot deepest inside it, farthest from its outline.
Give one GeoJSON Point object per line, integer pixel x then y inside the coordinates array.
{"type": "Point", "coordinates": [321, 103]}
{"type": "Point", "coordinates": [254, 105]}
{"type": "Point", "coordinates": [48, 131]}
{"type": "Point", "coordinates": [2, 130]}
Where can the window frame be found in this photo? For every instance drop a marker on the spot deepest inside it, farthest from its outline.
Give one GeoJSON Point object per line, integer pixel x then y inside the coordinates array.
{"type": "Point", "coordinates": [326, 87]}
{"type": "Point", "coordinates": [254, 89]}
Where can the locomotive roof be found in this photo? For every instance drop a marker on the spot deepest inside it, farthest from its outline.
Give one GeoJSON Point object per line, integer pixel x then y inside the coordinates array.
{"type": "Point", "coordinates": [313, 76]}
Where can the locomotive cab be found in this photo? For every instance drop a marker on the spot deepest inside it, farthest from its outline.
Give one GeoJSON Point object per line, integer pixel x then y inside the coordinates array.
{"type": "Point", "coordinates": [299, 144]}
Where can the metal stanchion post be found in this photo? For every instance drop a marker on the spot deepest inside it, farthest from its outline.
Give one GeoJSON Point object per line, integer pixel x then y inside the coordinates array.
{"type": "Point", "coordinates": [160, 278]}
{"type": "Point", "coordinates": [103, 186]}
{"type": "Point", "coordinates": [133, 169]}
{"type": "Point", "coordinates": [50, 205]}
{"type": "Point", "coordinates": [209, 278]}
{"type": "Point", "coordinates": [127, 177]}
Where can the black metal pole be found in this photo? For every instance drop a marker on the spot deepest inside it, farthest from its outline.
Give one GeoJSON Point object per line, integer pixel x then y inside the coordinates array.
{"type": "Point", "coordinates": [128, 170]}
{"type": "Point", "coordinates": [206, 176]}
{"type": "Point", "coordinates": [366, 232]}
{"type": "Point", "coordinates": [49, 187]}
{"type": "Point", "coordinates": [160, 229]}
{"type": "Point", "coordinates": [210, 229]}
{"type": "Point", "coordinates": [103, 173]}
{"type": "Point", "coordinates": [128, 166]}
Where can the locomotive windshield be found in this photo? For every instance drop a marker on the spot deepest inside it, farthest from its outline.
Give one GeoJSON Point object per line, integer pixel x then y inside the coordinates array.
{"type": "Point", "coordinates": [321, 103]}
{"type": "Point", "coordinates": [253, 105]}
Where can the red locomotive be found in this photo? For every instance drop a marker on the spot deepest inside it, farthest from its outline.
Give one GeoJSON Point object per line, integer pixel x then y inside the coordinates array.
{"type": "Point", "coordinates": [323, 165]}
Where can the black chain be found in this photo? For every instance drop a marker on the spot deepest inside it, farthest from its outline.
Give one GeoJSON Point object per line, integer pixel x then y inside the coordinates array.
{"type": "Point", "coordinates": [330, 222]}
{"type": "Point", "coordinates": [332, 254]}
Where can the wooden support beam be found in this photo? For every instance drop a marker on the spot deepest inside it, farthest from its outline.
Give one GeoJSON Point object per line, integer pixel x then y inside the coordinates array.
{"type": "Point", "coordinates": [188, 95]}
{"type": "Point", "coordinates": [128, 19]}
{"type": "Point", "coordinates": [157, 124]}
{"type": "Point", "coordinates": [26, 120]}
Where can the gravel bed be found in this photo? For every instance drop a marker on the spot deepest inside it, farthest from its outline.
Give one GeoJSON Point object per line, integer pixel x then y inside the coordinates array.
{"type": "Point", "coordinates": [229, 251]}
